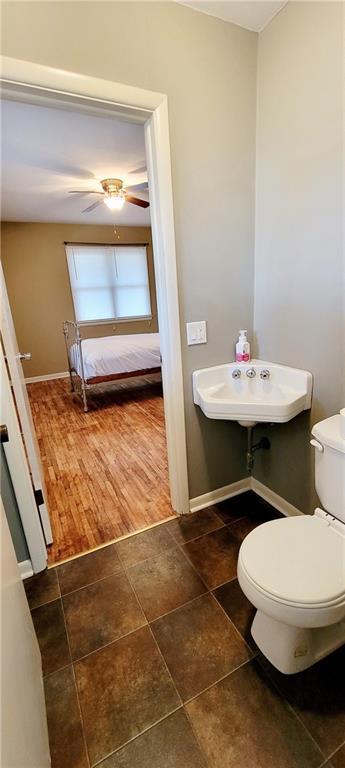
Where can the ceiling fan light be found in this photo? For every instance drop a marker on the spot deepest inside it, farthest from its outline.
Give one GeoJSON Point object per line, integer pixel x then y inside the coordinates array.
{"type": "Point", "coordinates": [114, 202]}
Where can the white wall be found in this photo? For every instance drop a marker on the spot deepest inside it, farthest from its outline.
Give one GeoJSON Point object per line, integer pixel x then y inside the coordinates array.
{"type": "Point", "coordinates": [299, 249]}
{"type": "Point", "coordinates": [208, 70]}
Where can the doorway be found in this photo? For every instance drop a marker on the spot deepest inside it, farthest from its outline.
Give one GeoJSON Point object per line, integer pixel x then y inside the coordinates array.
{"type": "Point", "coordinates": [153, 118]}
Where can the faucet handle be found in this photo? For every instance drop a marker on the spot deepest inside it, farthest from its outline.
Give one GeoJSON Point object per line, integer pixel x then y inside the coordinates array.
{"type": "Point", "coordinates": [237, 373]}
{"type": "Point", "coordinates": [265, 373]}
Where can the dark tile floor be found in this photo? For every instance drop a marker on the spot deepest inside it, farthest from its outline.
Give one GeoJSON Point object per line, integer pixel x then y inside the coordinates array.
{"type": "Point", "coordinates": [149, 662]}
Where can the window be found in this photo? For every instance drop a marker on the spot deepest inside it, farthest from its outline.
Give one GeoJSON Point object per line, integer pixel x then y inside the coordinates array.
{"type": "Point", "coordinates": [109, 282]}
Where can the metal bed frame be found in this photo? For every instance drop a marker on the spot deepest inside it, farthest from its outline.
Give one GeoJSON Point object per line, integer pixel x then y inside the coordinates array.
{"type": "Point", "coordinates": [79, 384]}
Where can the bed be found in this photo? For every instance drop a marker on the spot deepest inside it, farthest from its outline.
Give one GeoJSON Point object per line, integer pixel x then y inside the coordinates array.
{"type": "Point", "coordinates": [93, 361]}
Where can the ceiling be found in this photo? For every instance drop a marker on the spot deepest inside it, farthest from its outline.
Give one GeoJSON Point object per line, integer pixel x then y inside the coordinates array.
{"type": "Point", "coordinates": [253, 15]}
{"type": "Point", "coordinates": [46, 152]}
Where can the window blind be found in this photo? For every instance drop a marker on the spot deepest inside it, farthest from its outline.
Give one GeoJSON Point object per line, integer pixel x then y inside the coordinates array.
{"type": "Point", "coordinates": [109, 282]}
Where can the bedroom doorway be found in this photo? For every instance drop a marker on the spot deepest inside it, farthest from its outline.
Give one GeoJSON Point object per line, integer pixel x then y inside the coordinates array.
{"type": "Point", "coordinates": [84, 433]}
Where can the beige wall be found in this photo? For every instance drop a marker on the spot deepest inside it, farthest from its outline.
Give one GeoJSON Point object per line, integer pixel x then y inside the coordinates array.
{"type": "Point", "coordinates": [208, 70]}
{"type": "Point", "coordinates": [299, 259]}
{"type": "Point", "coordinates": [36, 273]}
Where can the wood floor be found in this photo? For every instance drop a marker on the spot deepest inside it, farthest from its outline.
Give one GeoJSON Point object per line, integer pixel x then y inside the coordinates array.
{"type": "Point", "coordinates": [106, 470]}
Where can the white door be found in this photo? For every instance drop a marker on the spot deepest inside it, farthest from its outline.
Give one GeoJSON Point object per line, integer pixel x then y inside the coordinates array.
{"type": "Point", "coordinates": [24, 733]}
{"type": "Point", "coordinates": [14, 357]}
{"type": "Point", "coordinates": [20, 474]}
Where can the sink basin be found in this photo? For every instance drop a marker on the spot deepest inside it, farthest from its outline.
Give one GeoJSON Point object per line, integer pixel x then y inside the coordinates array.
{"type": "Point", "coordinates": [278, 398]}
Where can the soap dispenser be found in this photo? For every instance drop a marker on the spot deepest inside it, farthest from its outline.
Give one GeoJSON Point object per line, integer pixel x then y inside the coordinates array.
{"type": "Point", "coordinates": [242, 348]}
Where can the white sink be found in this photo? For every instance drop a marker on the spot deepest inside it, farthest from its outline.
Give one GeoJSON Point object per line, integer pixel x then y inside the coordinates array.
{"type": "Point", "coordinates": [278, 398]}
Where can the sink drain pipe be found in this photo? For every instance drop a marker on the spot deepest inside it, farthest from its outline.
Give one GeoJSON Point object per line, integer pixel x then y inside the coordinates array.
{"type": "Point", "coordinates": [263, 444]}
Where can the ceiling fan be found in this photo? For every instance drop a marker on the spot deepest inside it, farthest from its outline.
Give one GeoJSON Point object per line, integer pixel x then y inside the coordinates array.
{"type": "Point", "coordinates": [114, 195]}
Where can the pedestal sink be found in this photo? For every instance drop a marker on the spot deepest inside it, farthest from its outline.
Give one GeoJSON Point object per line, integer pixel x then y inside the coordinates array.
{"type": "Point", "coordinates": [252, 392]}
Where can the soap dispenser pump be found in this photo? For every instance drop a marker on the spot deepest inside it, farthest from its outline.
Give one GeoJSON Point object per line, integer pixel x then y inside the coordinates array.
{"type": "Point", "coordinates": [242, 348]}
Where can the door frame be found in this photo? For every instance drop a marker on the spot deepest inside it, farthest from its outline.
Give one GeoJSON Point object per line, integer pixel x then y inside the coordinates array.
{"type": "Point", "coordinates": [21, 398]}
{"type": "Point", "coordinates": [35, 83]}
{"type": "Point", "coordinates": [20, 474]}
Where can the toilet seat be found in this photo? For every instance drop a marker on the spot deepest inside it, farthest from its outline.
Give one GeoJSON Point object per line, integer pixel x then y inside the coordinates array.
{"type": "Point", "coordinates": [297, 562]}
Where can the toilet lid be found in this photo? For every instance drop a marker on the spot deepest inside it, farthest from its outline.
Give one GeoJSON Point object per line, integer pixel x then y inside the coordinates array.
{"type": "Point", "coordinates": [297, 560]}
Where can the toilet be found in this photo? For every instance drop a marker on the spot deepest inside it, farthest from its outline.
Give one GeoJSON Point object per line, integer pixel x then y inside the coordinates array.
{"type": "Point", "coordinates": [293, 569]}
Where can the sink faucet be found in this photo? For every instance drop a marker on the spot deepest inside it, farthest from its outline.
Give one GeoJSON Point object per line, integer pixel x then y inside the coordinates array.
{"type": "Point", "coordinates": [251, 373]}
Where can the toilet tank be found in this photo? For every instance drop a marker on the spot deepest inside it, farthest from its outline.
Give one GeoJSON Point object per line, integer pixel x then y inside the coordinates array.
{"type": "Point", "coordinates": [329, 444]}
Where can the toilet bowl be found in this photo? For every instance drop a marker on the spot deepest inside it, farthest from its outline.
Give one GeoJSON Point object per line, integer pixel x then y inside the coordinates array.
{"type": "Point", "coordinates": [293, 569]}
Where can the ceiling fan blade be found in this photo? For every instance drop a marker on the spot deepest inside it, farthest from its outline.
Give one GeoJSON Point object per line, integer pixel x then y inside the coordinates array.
{"type": "Point", "coordinates": [84, 192]}
{"type": "Point", "coordinates": [142, 169]}
{"type": "Point", "coordinates": [137, 201]}
{"type": "Point", "coordinates": [143, 187]}
{"type": "Point", "coordinates": [93, 206]}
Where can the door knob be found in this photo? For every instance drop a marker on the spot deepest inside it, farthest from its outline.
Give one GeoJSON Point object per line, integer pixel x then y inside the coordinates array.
{"type": "Point", "coordinates": [3, 434]}
{"type": "Point", "coordinates": [24, 356]}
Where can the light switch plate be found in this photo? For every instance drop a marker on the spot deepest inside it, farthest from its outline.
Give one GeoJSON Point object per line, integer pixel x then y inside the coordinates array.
{"type": "Point", "coordinates": [196, 332]}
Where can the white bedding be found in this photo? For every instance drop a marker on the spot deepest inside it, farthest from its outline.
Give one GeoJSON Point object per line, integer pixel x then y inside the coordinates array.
{"type": "Point", "coordinates": [109, 355]}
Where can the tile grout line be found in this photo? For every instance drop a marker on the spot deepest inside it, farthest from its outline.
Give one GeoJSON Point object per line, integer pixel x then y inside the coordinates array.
{"type": "Point", "coordinates": [156, 644]}
{"type": "Point", "coordinates": [166, 666]}
{"type": "Point", "coordinates": [91, 583]}
{"type": "Point", "coordinates": [154, 639]}
{"type": "Point", "coordinates": [32, 608]}
{"type": "Point", "coordinates": [332, 754]}
{"type": "Point", "coordinates": [76, 688]}
{"type": "Point", "coordinates": [184, 552]}
{"type": "Point", "coordinates": [252, 654]}
{"type": "Point", "coordinates": [196, 737]}
{"type": "Point", "coordinates": [292, 709]}
{"type": "Point", "coordinates": [146, 559]}
{"type": "Point", "coordinates": [60, 669]}
{"type": "Point", "coordinates": [199, 597]}
{"type": "Point", "coordinates": [178, 608]}
{"type": "Point", "coordinates": [194, 538]}
{"type": "Point", "coordinates": [216, 682]}
{"type": "Point", "coordinates": [180, 547]}
{"type": "Point", "coordinates": [176, 709]}
{"type": "Point", "coordinates": [223, 583]}
{"type": "Point", "coordinates": [111, 642]}
{"type": "Point", "coordinates": [299, 719]}
{"type": "Point", "coordinates": [200, 694]}
{"type": "Point", "coordinates": [49, 602]}
{"type": "Point", "coordinates": [137, 736]}
{"type": "Point", "coordinates": [158, 557]}
{"type": "Point", "coordinates": [41, 605]}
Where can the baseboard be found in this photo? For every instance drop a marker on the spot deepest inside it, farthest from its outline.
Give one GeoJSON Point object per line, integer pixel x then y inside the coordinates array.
{"type": "Point", "coordinates": [273, 498]}
{"type": "Point", "coordinates": [247, 484]}
{"type": "Point", "coordinates": [25, 569]}
{"type": "Point", "coordinates": [47, 377]}
{"type": "Point", "coordinates": [219, 494]}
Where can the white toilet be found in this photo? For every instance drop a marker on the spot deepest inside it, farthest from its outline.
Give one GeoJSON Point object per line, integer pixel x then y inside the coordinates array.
{"type": "Point", "coordinates": [293, 570]}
